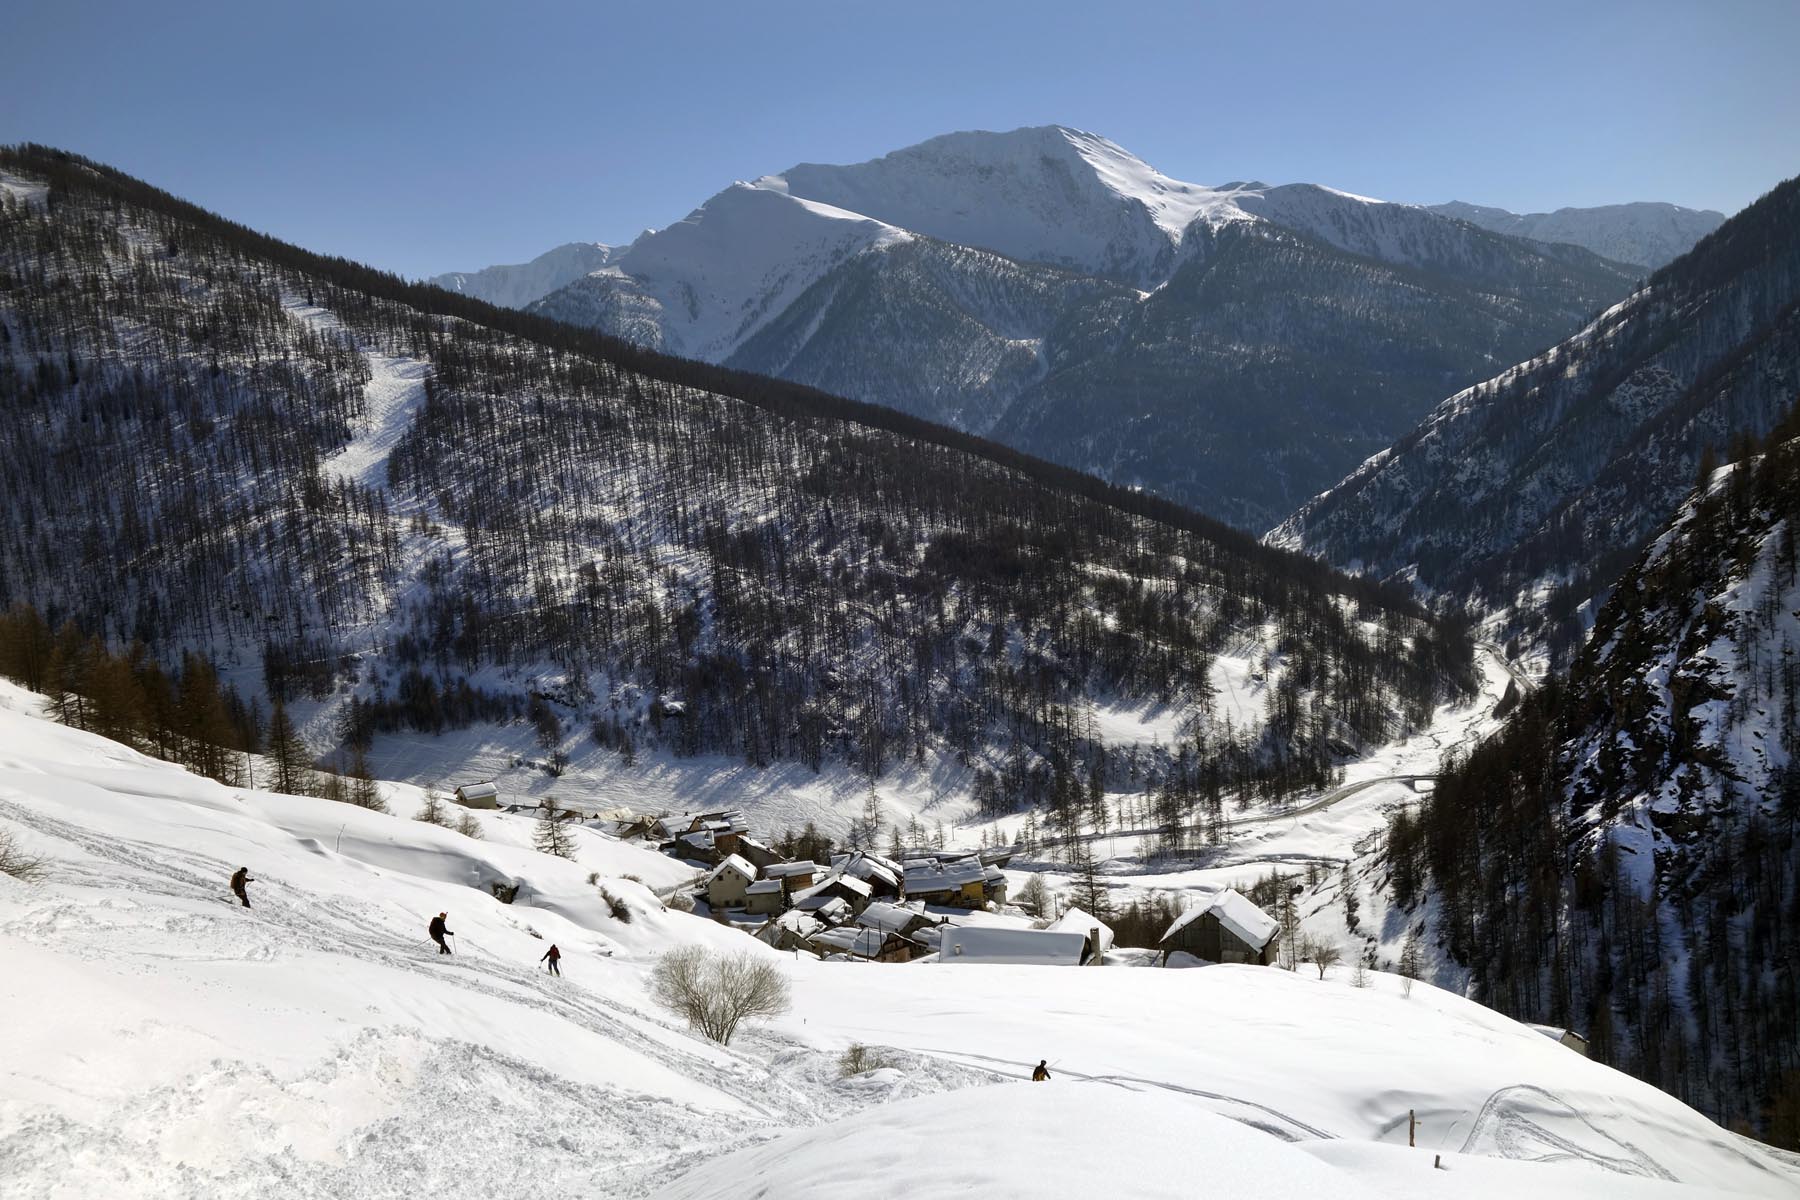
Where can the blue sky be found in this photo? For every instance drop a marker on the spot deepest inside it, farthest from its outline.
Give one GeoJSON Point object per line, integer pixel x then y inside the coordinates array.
{"type": "Point", "coordinates": [425, 137]}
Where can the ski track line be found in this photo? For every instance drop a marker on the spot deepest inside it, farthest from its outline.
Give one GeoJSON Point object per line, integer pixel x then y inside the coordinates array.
{"type": "Point", "coordinates": [1493, 1114]}
{"type": "Point", "coordinates": [1010, 1070]}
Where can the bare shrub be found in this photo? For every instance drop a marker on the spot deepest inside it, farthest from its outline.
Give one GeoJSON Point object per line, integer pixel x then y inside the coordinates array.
{"type": "Point", "coordinates": [16, 862]}
{"type": "Point", "coordinates": [715, 993]}
{"type": "Point", "coordinates": [858, 1058]}
{"type": "Point", "coordinates": [468, 825]}
{"type": "Point", "coordinates": [1322, 954]}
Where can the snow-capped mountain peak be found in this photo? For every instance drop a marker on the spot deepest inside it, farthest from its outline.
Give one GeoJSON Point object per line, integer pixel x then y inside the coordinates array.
{"type": "Point", "coordinates": [1043, 194]}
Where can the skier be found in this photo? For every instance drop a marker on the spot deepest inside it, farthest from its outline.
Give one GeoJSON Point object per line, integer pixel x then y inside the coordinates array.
{"type": "Point", "coordinates": [552, 956]}
{"type": "Point", "coordinates": [1042, 1072]}
{"type": "Point", "coordinates": [439, 933]}
{"type": "Point", "coordinates": [239, 878]}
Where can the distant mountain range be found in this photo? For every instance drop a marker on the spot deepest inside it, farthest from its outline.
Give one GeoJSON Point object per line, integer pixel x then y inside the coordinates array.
{"type": "Point", "coordinates": [1533, 490]}
{"type": "Point", "coordinates": [1645, 235]}
{"type": "Point", "coordinates": [519, 284]}
{"type": "Point", "coordinates": [1235, 347]}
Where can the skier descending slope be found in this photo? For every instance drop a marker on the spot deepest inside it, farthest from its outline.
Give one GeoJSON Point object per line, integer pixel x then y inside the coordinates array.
{"type": "Point", "coordinates": [439, 933]}
{"type": "Point", "coordinates": [552, 956]}
{"type": "Point", "coordinates": [239, 879]}
{"type": "Point", "coordinates": [1041, 1072]}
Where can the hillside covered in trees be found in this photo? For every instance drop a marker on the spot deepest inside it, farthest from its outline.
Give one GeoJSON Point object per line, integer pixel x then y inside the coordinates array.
{"type": "Point", "coordinates": [1625, 857]}
{"type": "Point", "coordinates": [347, 490]}
{"type": "Point", "coordinates": [1532, 492]}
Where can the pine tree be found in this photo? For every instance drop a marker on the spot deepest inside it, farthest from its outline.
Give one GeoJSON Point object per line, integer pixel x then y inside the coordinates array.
{"type": "Point", "coordinates": [288, 754]}
{"type": "Point", "coordinates": [431, 809]}
{"type": "Point", "coordinates": [364, 791]}
{"type": "Point", "coordinates": [1090, 893]}
{"type": "Point", "coordinates": [552, 835]}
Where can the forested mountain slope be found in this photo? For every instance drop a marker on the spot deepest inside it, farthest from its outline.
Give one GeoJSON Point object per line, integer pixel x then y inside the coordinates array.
{"type": "Point", "coordinates": [1623, 857]}
{"type": "Point", "coordinates": [1235, 347]}
{"type": "Point", "coordinates": [428, 511]}
{"type": "Point", "coordinates": [1550, 476]}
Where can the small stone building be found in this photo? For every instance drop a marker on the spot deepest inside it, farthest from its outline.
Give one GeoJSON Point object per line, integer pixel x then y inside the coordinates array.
{"type": "Point", "coordinates": [478, 795]}
{"type": "Point", "coordinates": [728, 884]}
{"type": "Point", "coordinates": [765, 897]}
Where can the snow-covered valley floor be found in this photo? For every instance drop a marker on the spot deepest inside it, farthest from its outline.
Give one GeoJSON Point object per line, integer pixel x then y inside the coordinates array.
{"type": "Point", "coordinates": [160, 1040]}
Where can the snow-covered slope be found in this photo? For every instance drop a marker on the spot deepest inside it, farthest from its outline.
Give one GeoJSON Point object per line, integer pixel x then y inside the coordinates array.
{"type": "Point", "coordinates": [1644, 234]}
{"type": "Point", "coordinates": [711, 280]}
{"type": "Point", "coordinates": [518, 284]}
{"type": "Point", "coordinates": [163, 1041]}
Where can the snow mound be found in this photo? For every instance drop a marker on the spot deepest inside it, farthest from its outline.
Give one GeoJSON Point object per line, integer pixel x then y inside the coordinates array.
{"type": "Point", "coordinates": [1024, 1141]}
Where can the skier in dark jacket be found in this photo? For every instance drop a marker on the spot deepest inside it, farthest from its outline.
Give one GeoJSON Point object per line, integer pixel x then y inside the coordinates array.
{"type": "Point", "coordinates": [439, 933]}
{"type": "Point", "coordinates": [552, 956]}
{"type": "Point", "coordinates": [1042, 1072]}
{"type": "Point", "coordinates": [239, 878]}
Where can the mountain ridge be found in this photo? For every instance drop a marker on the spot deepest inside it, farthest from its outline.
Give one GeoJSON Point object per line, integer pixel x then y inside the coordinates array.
{"type": "Point", "coordinates": [762, 278]}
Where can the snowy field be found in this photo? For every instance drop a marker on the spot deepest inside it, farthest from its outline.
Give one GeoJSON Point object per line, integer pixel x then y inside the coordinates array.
{"type": "Point", "coordinates": [163, 1041]}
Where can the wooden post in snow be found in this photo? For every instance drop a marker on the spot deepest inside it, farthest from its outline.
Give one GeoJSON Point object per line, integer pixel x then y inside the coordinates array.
{"type": "Point", "coordinates": [1412, 1127]}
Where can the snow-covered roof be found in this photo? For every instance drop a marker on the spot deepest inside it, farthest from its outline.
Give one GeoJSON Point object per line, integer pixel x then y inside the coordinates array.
{"type": "Point", "coordinates": [798, 923]}
{"type": "Point", "coordinates": [1077, 921]}
{"type": "Point", "coordinates": [868, 868]}
{"type": "Point", "coordinates": [763, 887]}
{"type": "Point", "coordinates": [733, 864]}
{"type": "Point", "coordinates": [852, 939]}
{"type": "Point", "coordinates": [784, 870]}
{"type": "Point", "coordinates": [934, 876]}
{"type": "Point", "coordinates": [1248, 923]}
{"type": "Point", "coordinates": [891, 917]}
{"type": "Point", "coordinates": [986, 944]}
{"type": "Point", "coordinates": [829, 909]}
{"type": "Point", "coordinates": [479, 791]}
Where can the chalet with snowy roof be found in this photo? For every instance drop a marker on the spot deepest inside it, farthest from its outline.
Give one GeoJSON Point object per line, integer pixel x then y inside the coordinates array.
{"type": "Point", "coordinates": [882, 875]}
{"type": "Point", "coordinates": [904, 920]}
{"type": "Point", "coordinates": [791, 930]}
{"type": "Point", "coordinates": [853, 892]}
{"type": "Point", "coordinates": [1098, 933]}
{"type": "Point", "coordinates": [765, 897]}
{"type": "Point", "coordinates": [871, 945]}
{"type": "Point", "coordinates": [478, 795]}
{"type": "Point", "coordinates": [828, 909]}
{"type": "Point", "coordinates": [1023, 947]}
{"type": "Point", "coordinates": [728, 884]}
{"type": "Point", "coordinates": [1228, 928]}
{"type": "Point", "coordinates": [794, 876]}
{"type": "Point", "coordinates": [757, 854]}
{"type": "Point", "coordinates": [957, 883]}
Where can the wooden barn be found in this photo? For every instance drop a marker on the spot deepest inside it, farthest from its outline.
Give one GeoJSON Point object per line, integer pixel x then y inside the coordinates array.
{"type": "Point", "coordinates": [1226, 929]}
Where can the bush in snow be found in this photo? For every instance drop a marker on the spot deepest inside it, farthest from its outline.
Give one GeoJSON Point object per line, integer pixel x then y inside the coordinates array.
{"type": "Point", "coordinates": [716, 993]}
{"type": "Point", "coordinates": [17, 863]}
{"type": "Point", "coordinates": [858, 1058]}
{"type": "Point", "coordinates": [621, 912]}
{"type": "Point", "coordinates": [468, 825]}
